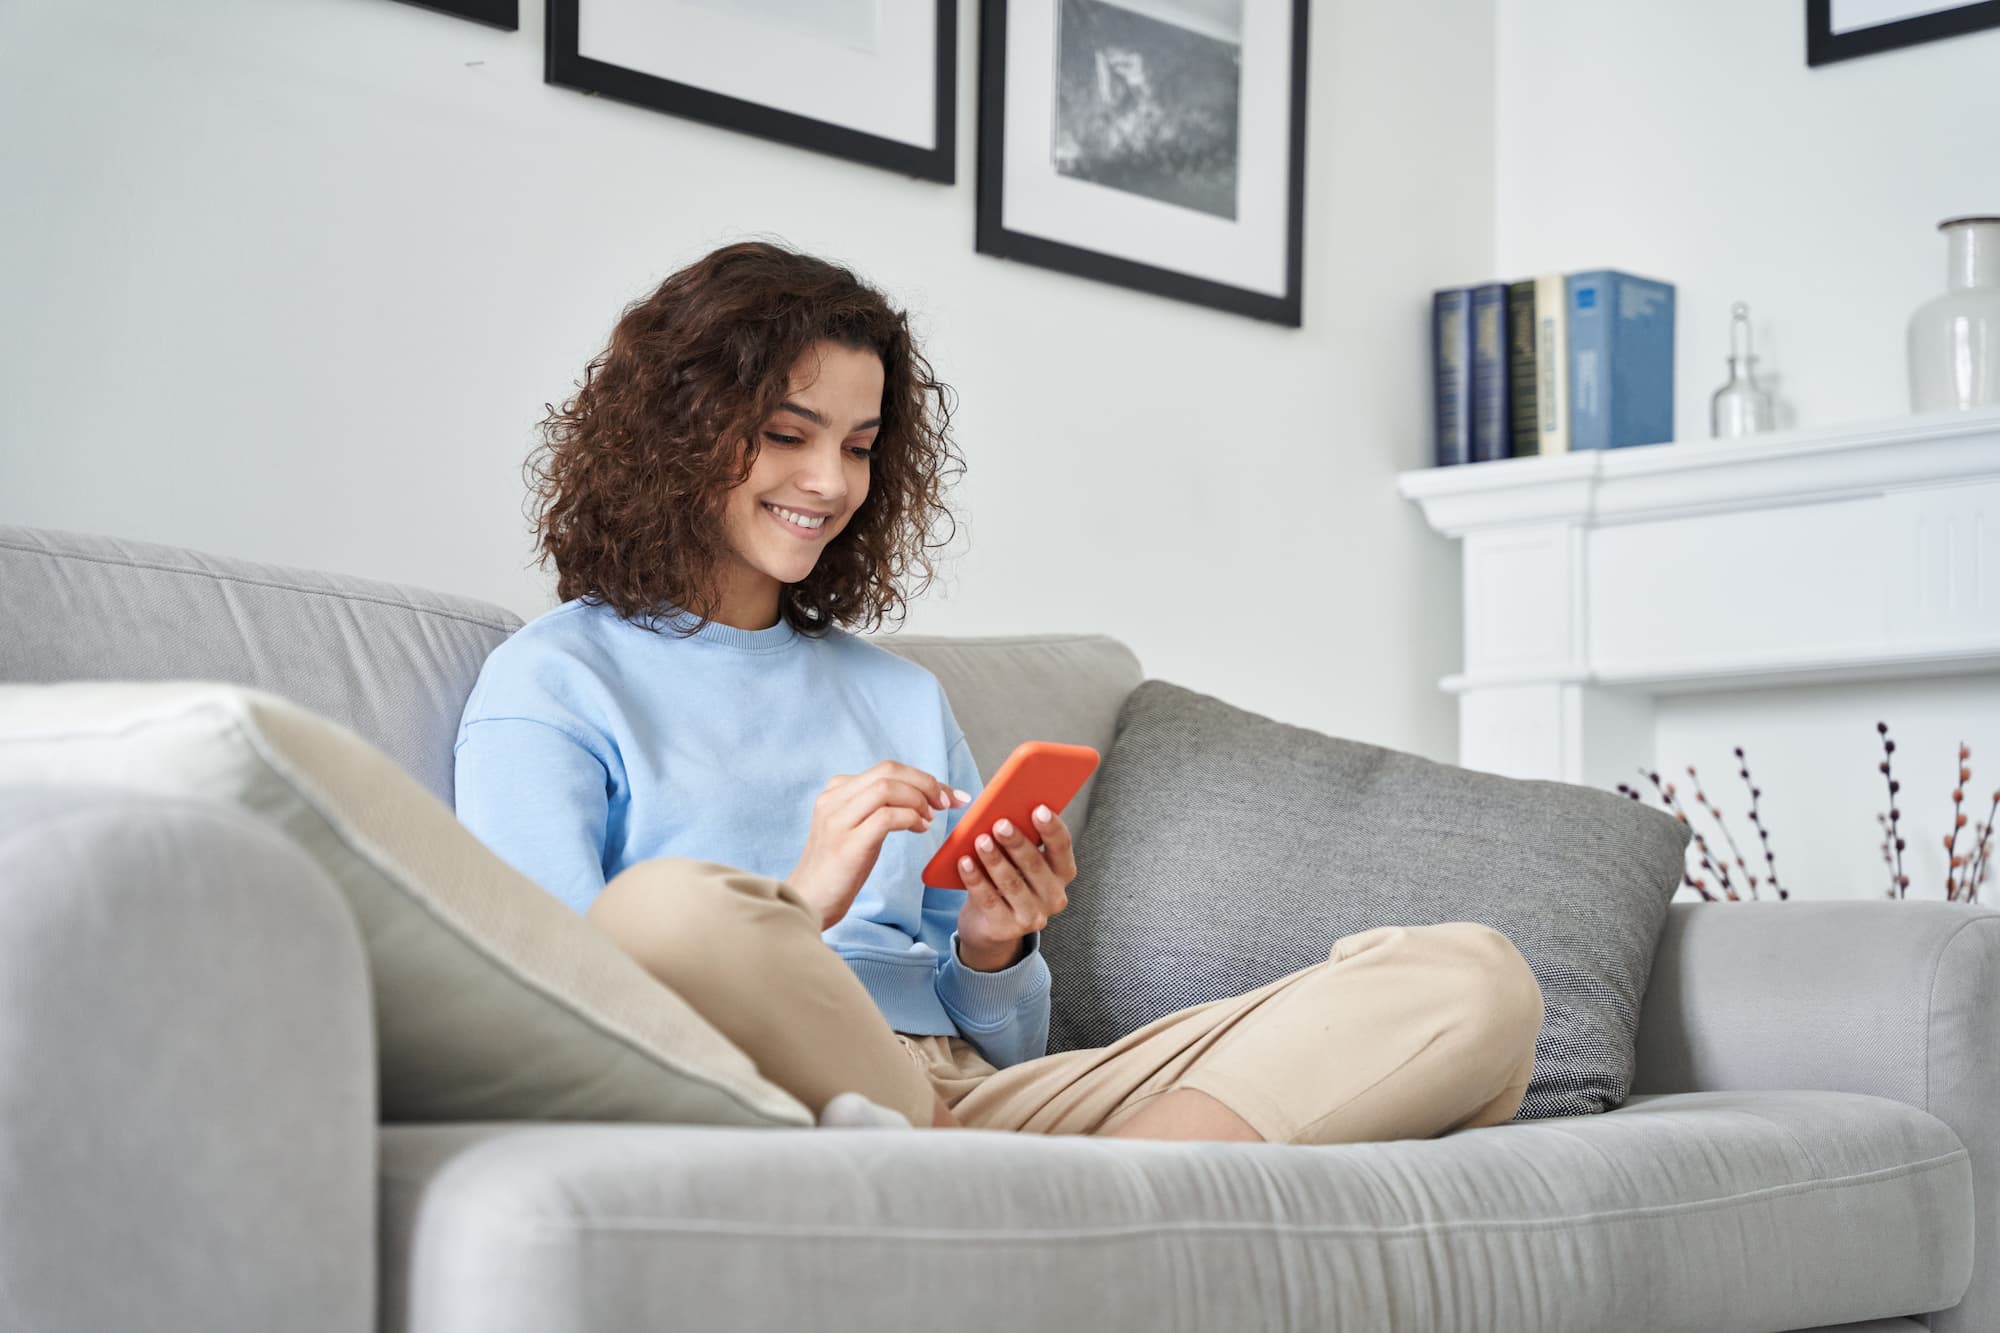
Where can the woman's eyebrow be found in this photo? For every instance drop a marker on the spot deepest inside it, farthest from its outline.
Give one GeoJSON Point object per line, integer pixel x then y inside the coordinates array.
{"type": "Point", "coordinates": [819, 420]}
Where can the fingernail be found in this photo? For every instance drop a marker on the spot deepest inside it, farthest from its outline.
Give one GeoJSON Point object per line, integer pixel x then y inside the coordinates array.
{"type": "Point", "coordinates": [1004, 829]}
{"type": "Point", "coordinates": [1042, 815]}
{"type": "Point", "coordinates": [985, 843]}
{"type": "Point", "coordinates": [965, 865]}
{"type": "Point", "coordinates": [962, 795]}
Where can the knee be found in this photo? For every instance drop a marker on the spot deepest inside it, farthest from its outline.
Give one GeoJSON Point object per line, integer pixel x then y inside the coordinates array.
{"type": "Point", "coordinates": [1494, 993]}
{"type": "Point", "coordinates": [661, 908]}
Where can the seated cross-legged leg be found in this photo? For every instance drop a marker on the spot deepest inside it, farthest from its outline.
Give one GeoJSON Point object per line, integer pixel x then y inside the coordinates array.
{"type": "Point", "coordinates": [745, 951]}
{"type": "Point", "coordinates": [1404, 1032]}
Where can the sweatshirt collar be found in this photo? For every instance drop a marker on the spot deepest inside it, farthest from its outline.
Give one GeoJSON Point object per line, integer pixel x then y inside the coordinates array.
{"type": "Point", "coordinates": [771, 640]}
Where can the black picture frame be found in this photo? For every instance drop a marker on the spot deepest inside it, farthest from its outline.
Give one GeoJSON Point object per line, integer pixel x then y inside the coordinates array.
{"type": "Point", "coordinates": [565, 66]}
{"type": "Point", "coordinates": [502, 14]}
{"type": "Point", "coordinates": [1824, 45]}
{"type": "Point", "coordinates": [993, 238]}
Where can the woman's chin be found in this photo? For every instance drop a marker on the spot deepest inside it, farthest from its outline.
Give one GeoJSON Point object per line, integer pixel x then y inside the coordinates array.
{"type": "Point", "coordinates": [791, 571]}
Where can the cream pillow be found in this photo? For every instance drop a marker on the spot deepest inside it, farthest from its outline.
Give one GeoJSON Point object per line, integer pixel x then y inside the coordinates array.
{"type": "Point", "coordinates": [492, 999]}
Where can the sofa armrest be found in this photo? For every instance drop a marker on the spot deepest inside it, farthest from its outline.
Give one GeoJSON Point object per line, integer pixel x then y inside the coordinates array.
{"type": "Point", "coordinates": [187, 1072]}
{"type": "Point", "coordinates": [1895, 999]}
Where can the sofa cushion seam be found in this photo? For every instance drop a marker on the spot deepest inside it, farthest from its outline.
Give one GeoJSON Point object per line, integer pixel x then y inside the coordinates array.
{"type": "Point", "coordinates": [1394, 1231]}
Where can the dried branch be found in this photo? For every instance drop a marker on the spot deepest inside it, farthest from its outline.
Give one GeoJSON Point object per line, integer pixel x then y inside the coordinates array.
{"type": "Point", "coordinates": [1982, 856]}
{"type": "Point", "coordinates": [1899, 883]}
{"type": "Point", "coordinates": [1967, 868]}
{"type": "Point", "coordinates": [1723, 824]}
{"type": "Point", "coordinates": [1888, 857]}
{"type": "Point", "coordinates": [1708, 863]}
{"type": "Point", "coordinates": [1757, 822]}
{"type": "Point", "coordinates": [1952, 860]}
{"type": "Point", "coordinates": [1699, 886]}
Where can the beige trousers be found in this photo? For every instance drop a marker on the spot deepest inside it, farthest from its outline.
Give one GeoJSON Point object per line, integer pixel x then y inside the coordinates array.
{"type": "Point", "coordinates": [1403, 1032]}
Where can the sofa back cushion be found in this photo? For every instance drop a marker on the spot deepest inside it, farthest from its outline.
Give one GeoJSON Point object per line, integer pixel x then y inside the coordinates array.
{"type": "Point", "coordinates": [1005, 689]}
{"type": "Point", "coordinates": [1226, 850]}
{"type": "Point", "coordinates": [493, 1001]}
{"type": "Point", "coordinates": [391, 662]}
{"type": "Point", "coordinates": [395, 662]}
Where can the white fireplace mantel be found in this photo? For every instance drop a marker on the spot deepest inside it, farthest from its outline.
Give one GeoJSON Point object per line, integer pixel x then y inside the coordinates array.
{"type": "Point", "coordinates": [1597, 583]}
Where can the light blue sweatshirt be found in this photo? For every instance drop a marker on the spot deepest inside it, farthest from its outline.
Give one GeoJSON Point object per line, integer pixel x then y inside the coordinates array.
{"type": "Point", "coordinates": [590, 743]}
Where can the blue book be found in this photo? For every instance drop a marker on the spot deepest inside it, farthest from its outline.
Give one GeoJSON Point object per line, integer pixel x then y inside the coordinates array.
{"type": "Point", "coordinates": [1492, 423]}
{"type": "Point", "coordinates": [1621, 360]}
{"type": "Point", "coordinates": [1451, 375]}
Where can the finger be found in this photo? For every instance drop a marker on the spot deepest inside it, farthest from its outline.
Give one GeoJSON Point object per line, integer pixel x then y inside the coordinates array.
{"type": "Point", "coordinates": [1034, 868]}
{"type": "Point", "coordinates": [887, 818]}
{"type": "Point", "coordinates": [1020, 894]}
{"type": "Point", "coordinates": [861, 799]}
{"type": "Point", "coordinates": [1055, 836]}
{"type": "Point", "coordinates": [920, 793]}
{"type": "Point", "coordinates": [876, 821]}
{"type": "Point", "coordinates": [939, 792]}
{"type": "Point", "coordinates": [985, 896]}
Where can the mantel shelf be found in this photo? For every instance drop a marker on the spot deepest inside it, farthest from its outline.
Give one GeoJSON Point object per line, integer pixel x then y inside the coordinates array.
{"type": "Point", "coordinates": [1750, 673]}
{"type": "Point", "coordinates": [1603, 487]}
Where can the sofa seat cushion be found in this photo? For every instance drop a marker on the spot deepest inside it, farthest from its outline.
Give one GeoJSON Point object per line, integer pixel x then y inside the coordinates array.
{"type": "Point", "coordinates": [1689, 1211]}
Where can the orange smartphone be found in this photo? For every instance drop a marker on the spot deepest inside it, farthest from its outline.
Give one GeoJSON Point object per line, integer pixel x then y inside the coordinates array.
{"type": "Point", "coordinates": [1037, 773]}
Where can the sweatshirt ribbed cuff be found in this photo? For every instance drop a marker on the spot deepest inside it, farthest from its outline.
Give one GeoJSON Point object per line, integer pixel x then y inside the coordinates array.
{"type": "Point", "coordinates": [988, 999]}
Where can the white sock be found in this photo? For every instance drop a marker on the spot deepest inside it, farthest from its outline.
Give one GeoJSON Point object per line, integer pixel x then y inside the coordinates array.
{"type": "Point", "coordinates": [851, 1110]}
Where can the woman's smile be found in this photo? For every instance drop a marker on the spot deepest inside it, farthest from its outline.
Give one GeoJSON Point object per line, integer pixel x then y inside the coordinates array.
{"type": "Point", "coordinates": [798, 530]}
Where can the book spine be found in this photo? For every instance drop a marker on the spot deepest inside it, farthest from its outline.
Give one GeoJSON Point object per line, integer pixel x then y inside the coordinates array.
{"type": "Point", "coordinates": [1552, 362]}
{"type": "Point", "coordinates": [1589, 361]}
{"type": "Point", "coordinates": [1491, 421]}
{"type": "Point", "coordinates": [1525, 432]}
{"type": "Point", "coordinates": [1451, 375]}
{"type": "Point", "coordinates": [1640, 315]}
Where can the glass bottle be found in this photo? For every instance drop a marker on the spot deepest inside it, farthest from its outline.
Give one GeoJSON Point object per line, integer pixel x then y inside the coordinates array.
{"type": "Point", "coordinates": [1740, 407]}
{"type": "Point", "coordinates": [1954, 339]}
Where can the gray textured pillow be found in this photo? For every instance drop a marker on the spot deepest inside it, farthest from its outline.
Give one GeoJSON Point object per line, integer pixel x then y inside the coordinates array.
{"type": "Point", "coordinates": [1225, 849]}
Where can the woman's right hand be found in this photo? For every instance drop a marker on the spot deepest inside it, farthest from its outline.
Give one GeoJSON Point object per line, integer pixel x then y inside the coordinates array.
{"type": "Point", "coordinates": [851, 816]}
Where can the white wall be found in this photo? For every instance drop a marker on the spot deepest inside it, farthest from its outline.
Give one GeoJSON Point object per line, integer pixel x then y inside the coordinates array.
{"type": "Point", "coordinates": [294, 282]}
{"type": "Point", "coordinates": [1691, 142]}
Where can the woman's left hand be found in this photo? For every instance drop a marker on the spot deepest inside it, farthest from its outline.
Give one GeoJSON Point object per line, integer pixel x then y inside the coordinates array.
{"type": "Point", "coordinates": [1013, 886]}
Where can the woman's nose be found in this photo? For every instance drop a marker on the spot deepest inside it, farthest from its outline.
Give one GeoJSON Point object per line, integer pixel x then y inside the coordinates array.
{"type": "Point", "coordinates": [820, 473]}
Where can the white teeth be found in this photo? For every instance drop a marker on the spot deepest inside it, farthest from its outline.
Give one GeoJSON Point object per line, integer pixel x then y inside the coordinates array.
{"type": "Point", "coordinates": [793, 516]}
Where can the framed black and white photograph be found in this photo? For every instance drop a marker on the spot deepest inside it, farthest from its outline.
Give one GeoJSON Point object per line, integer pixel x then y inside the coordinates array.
{"type": "Point", "coordinates": [857, 79]}
{"type": "Point", "coordinates": [1844, 29]}
{"type": "Point", "coordinates": [493, 13]}
{"type": "Point", "coordinates": [1155, 144]}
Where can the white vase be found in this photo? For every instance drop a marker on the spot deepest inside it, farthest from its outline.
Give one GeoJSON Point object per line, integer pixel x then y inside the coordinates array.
{"type": "Point", "coordinates": [1955, 339]}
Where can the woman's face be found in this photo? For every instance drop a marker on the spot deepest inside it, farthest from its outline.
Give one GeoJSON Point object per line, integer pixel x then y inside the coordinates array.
{"type": "Point", "coordinates": [813, 459]}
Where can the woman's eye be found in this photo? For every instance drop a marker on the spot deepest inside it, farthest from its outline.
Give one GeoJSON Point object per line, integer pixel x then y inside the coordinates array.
{"type": "Point", "coordinates": [864, 451]}
{"type": "Point", "coordinates": [776, 438]}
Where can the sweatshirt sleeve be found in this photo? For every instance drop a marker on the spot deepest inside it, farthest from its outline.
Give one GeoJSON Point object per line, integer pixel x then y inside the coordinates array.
{"type": "Point", "coordinates": [539, 798]}
{"type": "Point", "coordinates": [1005, 1014]}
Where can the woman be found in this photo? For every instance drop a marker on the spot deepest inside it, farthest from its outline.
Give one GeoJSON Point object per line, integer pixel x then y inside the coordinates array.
{"type": "Point", "coordinates": [694, 753]}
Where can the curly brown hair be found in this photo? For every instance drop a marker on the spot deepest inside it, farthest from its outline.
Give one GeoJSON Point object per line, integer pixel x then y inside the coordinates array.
{"type": "Point", "coordinates": [633, 472]}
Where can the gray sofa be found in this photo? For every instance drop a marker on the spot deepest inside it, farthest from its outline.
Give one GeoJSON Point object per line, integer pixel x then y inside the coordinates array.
{"type": "Point", "coordinates": [188, 1137]}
